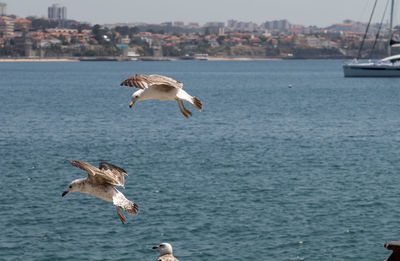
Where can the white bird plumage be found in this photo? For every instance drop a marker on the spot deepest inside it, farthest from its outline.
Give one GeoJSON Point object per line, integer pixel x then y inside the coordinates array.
{"type": "Point", "coordinates": [100, 183]}
{"type": "Point", "coordinates": [165, 252]}
{"type": "Point", "coordinates": [158, 87]}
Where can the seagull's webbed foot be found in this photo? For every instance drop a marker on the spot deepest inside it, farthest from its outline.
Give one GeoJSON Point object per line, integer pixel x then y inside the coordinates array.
{"type": "Point", "coordinates": [183, 112]}
{"type": "Point", "coordinates": [186, 110]}
{"type": "Point", "coordinates": [133, 209]}
{"type": "Point", "coordinates": [120, 215]}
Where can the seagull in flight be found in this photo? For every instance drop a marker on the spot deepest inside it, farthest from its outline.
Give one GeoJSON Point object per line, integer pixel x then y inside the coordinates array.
{"type": "Point", "coordinates": [101, 183]}
{"type": "Point", "coordinates": [158, 87]}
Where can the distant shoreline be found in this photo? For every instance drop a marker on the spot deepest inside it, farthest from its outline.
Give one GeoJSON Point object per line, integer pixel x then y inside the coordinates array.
{"type": "Point", "coordinates": [151, 58]}
{"type": "Point", "coordinates": [38, 60]}
{"type": "Point", "coordinates": [2, 60]}
{"type": "Point", "coordinates": [243, 59]}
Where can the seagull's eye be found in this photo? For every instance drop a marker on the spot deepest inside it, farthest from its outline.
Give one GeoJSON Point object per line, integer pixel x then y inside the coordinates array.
{"type": "Point", "coordinates": [70, 186]}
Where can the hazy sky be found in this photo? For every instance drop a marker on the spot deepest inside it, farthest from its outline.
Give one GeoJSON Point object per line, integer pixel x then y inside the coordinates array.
{"type": "Point", "coordinates": [306, 12]}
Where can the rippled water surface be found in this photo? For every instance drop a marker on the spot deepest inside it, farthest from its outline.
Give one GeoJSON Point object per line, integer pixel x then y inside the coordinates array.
{"type": "Point", "coordinates": [264, 172]}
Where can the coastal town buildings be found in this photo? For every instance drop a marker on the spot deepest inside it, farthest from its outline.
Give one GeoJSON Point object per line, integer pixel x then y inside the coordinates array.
{"type": "Point", "coordinates": [22, 25]}
{"type": "Point", "coordinates": [242, 26]}
{"type": "Point", "coordinates": [6, 26]}
{"type": "Point", "coordinates": [57, 11]}
{"type": "Point", "coordinates": [279, 25]}
{"type": "Point", "coordinates": [56, 36]}
{"type": "Point", "coordinates": [3, 9]}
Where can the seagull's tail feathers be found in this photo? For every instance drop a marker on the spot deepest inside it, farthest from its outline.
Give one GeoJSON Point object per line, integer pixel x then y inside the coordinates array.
{"type": "Point", "coordinates": [132, 208]}
{"type": "Point", "coordinates": [196, 103]}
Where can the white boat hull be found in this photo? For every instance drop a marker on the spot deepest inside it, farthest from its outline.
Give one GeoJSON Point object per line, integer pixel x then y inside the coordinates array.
{"type": "Point", "coordinates": [371, 70]}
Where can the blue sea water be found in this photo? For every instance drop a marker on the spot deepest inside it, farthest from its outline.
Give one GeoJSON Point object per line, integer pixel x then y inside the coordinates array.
{"type": "Point", "coordinates": [263, 172]}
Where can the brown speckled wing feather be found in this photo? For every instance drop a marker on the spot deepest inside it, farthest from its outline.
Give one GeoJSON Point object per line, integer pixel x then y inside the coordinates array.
{"type": "Point", "coordinates": [142, 81]}
{"type": "Point", "coordinates": [137, 80]}
{"type": "Point", "coordinates": [94, 174]}
{"type": "Point", "coordinates": [164, 80]}
{"type": "Point", "coordinates": [114, 172]}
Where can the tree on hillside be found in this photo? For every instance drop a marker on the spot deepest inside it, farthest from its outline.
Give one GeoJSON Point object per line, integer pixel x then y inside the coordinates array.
{"type": "Point", "coordinates": [98, 33]}
{"type": "Point", "coordinates": [42, 24]}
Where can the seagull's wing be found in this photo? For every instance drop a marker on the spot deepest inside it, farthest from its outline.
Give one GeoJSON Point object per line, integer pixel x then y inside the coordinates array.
{"type": "Point", "coordinates": [163, 80]}
{"type": "Point", "coordinates": [167, 257]}
{"type": "Point", "coordinates": [138, 80]}
{"type": "Point", "coordinates": [115, 173]}
{"type": "Point", "coordinates": [94, 174]}
{"type": "Point", "coordinates": [142, 81]}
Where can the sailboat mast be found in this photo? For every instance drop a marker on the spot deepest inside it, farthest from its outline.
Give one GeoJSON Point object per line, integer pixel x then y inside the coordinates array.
{"type": "Point", "coordinates": [390, 29]}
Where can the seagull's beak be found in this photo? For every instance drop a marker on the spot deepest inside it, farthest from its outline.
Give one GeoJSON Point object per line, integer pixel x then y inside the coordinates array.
{"type": "Point", "coordinates": [131, 104]}
{"type": "Point", "coordinates": [64, 193]}
{"type": "Point", "coordinates": [155, 247]}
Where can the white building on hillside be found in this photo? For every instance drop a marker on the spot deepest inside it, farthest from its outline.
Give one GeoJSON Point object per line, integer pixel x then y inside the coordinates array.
{"type": "Point", "coordinates": [3, 9]}
{"type": "Point", "coordinates": [58, 12]}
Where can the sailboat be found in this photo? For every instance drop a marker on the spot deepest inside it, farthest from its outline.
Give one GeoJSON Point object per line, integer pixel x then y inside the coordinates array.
{"type": "Point", "coordinates": [387, 67]}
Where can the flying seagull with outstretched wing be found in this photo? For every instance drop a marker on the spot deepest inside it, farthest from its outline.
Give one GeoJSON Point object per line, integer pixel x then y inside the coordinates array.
{"type": "Point", "coordinates": [158, 87]}
{"type": "Point", "coordinates": [101, 183]}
